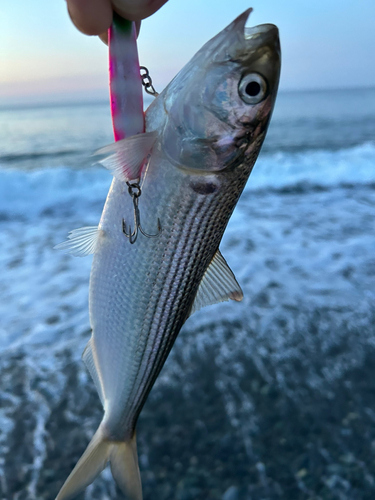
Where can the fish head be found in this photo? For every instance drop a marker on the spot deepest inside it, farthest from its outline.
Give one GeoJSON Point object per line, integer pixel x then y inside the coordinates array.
{"type": "Point", "coordinates": [218, 107]}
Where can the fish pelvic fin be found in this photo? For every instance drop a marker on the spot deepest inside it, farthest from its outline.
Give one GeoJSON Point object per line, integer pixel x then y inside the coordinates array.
{"type": "Point", "coordinates": [123, 458]}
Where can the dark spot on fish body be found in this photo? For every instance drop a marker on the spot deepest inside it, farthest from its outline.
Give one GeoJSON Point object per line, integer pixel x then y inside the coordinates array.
{"type": "Point", "coordinates": [204, 187]}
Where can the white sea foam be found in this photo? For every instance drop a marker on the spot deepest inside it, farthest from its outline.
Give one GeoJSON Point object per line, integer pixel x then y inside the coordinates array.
{"type": "Point", "coordinates": [29, 193]}
{"type": "Point", "coordinates": [321, 167]}
{"type": "Point", "coordinates": [45, 292]}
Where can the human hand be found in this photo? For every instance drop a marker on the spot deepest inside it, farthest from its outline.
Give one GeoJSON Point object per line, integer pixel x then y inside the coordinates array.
{"type": "Point", "coordinates": [94, 17]}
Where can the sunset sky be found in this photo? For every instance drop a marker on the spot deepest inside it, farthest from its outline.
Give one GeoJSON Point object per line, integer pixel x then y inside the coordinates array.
{"type": "Point", "coordinates": [325, 44]}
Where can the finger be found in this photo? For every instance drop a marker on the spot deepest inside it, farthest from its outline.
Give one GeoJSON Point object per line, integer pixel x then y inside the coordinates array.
{"type": "Point", "coordinates": [104, 37]}
{"type": "Point", "coordinates": [92, 17]}
{"type": "Point", "coordinates": [136, 10]}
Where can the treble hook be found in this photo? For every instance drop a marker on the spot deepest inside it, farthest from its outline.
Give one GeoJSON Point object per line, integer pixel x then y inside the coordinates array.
{"type": "Point", "coordinates": [135, 192]}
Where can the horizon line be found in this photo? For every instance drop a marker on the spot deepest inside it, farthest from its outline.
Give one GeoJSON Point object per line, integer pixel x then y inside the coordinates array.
{"type": "Point", "coordinates": [57, 101]}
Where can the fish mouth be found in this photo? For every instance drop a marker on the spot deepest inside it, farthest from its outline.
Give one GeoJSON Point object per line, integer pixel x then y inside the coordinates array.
{"type": "Point", "coordinates": [261, 29]}
{"type": "Point", "coordinates": [251, 32]}
{"type": "Point", "coordinates": [255, 36]}
{"type": "Point", "coordinates": [263, 35]}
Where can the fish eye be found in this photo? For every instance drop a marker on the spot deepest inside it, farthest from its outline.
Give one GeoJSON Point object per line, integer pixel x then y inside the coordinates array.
{"type": "Point", "coordinates": [252, 88]}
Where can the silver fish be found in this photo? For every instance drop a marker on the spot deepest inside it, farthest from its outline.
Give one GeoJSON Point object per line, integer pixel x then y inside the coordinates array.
{"type": "Point", "coordinates": [203, 135]}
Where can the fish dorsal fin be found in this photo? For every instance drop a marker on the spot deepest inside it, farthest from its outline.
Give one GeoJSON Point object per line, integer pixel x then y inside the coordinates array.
{"type": "Point", "coordinates": [89, 360]}
{"type": "Point", "coordinates": [125, 158]}
{"type": "Point", "coordinates": [218, 284]}
{"type": "Point", "coordinates": [80, 242]}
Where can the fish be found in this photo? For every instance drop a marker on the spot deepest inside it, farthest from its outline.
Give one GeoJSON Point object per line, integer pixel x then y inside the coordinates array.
{"type": "Point", "coordinates": [156, 257]}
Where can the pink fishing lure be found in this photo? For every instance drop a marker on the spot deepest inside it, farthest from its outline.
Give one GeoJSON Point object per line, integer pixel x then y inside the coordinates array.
{"type": "Point", "coordinates": [124, 79]}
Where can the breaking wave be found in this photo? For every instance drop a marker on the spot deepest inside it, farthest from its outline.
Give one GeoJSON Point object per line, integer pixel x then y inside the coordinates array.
{"type": "Point", "coordinates": [316, 168]}
{"type": "Point", "coordinates": [61, 189]}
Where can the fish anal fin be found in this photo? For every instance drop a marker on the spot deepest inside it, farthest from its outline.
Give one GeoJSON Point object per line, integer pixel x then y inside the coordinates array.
{"type": "Point", "coordinates": [218, 285]}
{"type": "Point", "coordinates": [125, 158]}
{"type": "Point", "coordinates": [80, 242]}
{"type": "Point", "coordinates": [88, 357]}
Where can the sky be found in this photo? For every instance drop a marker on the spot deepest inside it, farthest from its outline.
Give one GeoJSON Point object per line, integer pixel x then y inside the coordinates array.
{"type": "Point", "coordinates": [325, 44]}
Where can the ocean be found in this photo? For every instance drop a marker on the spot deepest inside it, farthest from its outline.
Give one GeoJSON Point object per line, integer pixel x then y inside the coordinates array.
{"type": "Point", "coordinates": [271, 398]}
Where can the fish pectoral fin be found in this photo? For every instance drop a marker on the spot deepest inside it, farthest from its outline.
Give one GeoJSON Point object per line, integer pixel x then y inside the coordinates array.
{"type": "Point", "coordinates": [80, 242]}
{"type": "Point", "coordinates": [125, 158]}
{"type": "Point", "coordinates": [218, 284]}
{"type": "Point", "coordinates": [88, 357]}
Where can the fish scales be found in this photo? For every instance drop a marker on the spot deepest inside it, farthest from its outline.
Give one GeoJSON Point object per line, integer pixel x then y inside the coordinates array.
{"type": "Point", "coordinates": [199, 241]}
{"type": "Point", "coordinates": [173, 324]}
{"type": "Point", "coordinates": [187, 171]}
{"type": "Point", "coordinates": [191, 229]}
{"type": "Point", "coordinates": [173, 303]}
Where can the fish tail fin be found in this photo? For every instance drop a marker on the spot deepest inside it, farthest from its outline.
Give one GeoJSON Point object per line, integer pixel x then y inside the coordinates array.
{"type": "Point", "coordinates": [125, 470]}
{"type": "Point", "coordinates": [92, 462]}
{"type": "Point", "coordinates": [124, 466]}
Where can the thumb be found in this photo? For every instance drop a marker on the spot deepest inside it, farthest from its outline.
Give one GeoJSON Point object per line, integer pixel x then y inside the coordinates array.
{"type": "Point", "coordinates": [136, 10]}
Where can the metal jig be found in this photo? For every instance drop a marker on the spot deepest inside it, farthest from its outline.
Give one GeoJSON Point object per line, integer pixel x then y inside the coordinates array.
{"type": "Point", "coordinates": [147, 81]}
{"type": "Point", "coordinates": [135, 192]}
